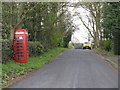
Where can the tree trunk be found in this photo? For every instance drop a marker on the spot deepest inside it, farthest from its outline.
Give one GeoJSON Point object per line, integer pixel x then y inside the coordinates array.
{"type": "Point", "coordinates": [95, 40]}
{"type": "Point", "coordinates": [20, 11]}
{"type": "Point", "coordinates": [11, 22]}
{"type": "Point", "coordinates": [97, 33]}
{"type": "Point", "coordinates": [12, 34]}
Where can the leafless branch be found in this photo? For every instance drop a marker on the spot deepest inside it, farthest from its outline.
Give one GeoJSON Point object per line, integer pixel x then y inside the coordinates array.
{"type": "Point", "coordinates": [84, 23]}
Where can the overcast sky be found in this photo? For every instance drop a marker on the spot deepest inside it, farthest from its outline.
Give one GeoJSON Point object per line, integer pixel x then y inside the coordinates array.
{"type": "Point", "coordinates": [81, 34]}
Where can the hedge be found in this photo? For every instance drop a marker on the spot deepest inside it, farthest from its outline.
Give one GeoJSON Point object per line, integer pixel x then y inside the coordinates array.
{"type": "Point", "coordinates": [35, 49]}
{"type": "Point", "coordinates": [7, 51]}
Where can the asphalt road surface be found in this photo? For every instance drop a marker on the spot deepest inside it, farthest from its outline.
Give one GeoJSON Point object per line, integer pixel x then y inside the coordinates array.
{"type": "Point", "coordinates": [73, 69]}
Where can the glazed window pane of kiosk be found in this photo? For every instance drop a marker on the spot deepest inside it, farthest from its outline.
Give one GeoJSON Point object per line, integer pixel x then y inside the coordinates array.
{"type": "Point", "coordinates": [19, 43]}
{"type": "Point", "coordinates": [21, 53]}
{"type": "Point", "coordinates": [20, 50]}
{"type": "Point", "coordinates": [19, 40]}
{"type": "Point", "coordinates": [19, 46]}
{"type": "Point", "coordinates": [20, 37]}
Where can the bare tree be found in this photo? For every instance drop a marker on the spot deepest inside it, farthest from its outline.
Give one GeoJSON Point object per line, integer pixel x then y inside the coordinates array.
{"type": "Point", "coordinates": [93, 24]}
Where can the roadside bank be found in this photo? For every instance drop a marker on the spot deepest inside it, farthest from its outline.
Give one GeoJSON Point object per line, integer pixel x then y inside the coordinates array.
{"type": "Point", "coordinates": [112, 60]}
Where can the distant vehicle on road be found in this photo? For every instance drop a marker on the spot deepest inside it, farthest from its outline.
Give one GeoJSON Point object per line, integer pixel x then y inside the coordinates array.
{"type": "Point", "coordinates": [87, 45]}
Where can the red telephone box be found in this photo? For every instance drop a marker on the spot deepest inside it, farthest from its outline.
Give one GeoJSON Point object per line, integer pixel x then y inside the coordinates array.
{"type": "Point", "coordinates": [21, 52]}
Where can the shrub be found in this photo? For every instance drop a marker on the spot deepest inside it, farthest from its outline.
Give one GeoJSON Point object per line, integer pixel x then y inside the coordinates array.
{"type": "Point", "coordinates": [35, 49]}
{"type": "Point", "coordinates": [107, 45]}
{"type": "Point", "coordinates": [77, 45]}
{"type": "Point", "coordinates": [7, 51]}
{"type": "Point", "coordinates": [70, 45]}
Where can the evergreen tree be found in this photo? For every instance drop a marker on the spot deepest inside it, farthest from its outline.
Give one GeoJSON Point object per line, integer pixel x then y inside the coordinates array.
{"type": "Point", "coordinates": [111, 24]}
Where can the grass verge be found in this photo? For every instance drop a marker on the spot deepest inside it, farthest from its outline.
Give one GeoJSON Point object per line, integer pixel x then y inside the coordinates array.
{"type": "Point", "coordinates": [12, 69]}
{"type": "Point", "coordinates": [108, 53]}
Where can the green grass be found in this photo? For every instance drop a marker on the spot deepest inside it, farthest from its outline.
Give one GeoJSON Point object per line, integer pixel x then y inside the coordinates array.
{"type": "Point", "coordinates": [13, 69]}
{"type": "Point", "coordinates": [98, 48]}
{"type": "Point", "coordinates": [110, 53]}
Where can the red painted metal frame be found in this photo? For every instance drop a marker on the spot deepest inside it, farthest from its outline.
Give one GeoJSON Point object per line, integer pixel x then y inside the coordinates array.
{"type": "Point", "coordinates": [24, 47]}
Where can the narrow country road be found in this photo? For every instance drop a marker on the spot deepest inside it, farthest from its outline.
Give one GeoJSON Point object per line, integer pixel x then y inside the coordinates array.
{"type": "Point", "coordinates": [75, 68]}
